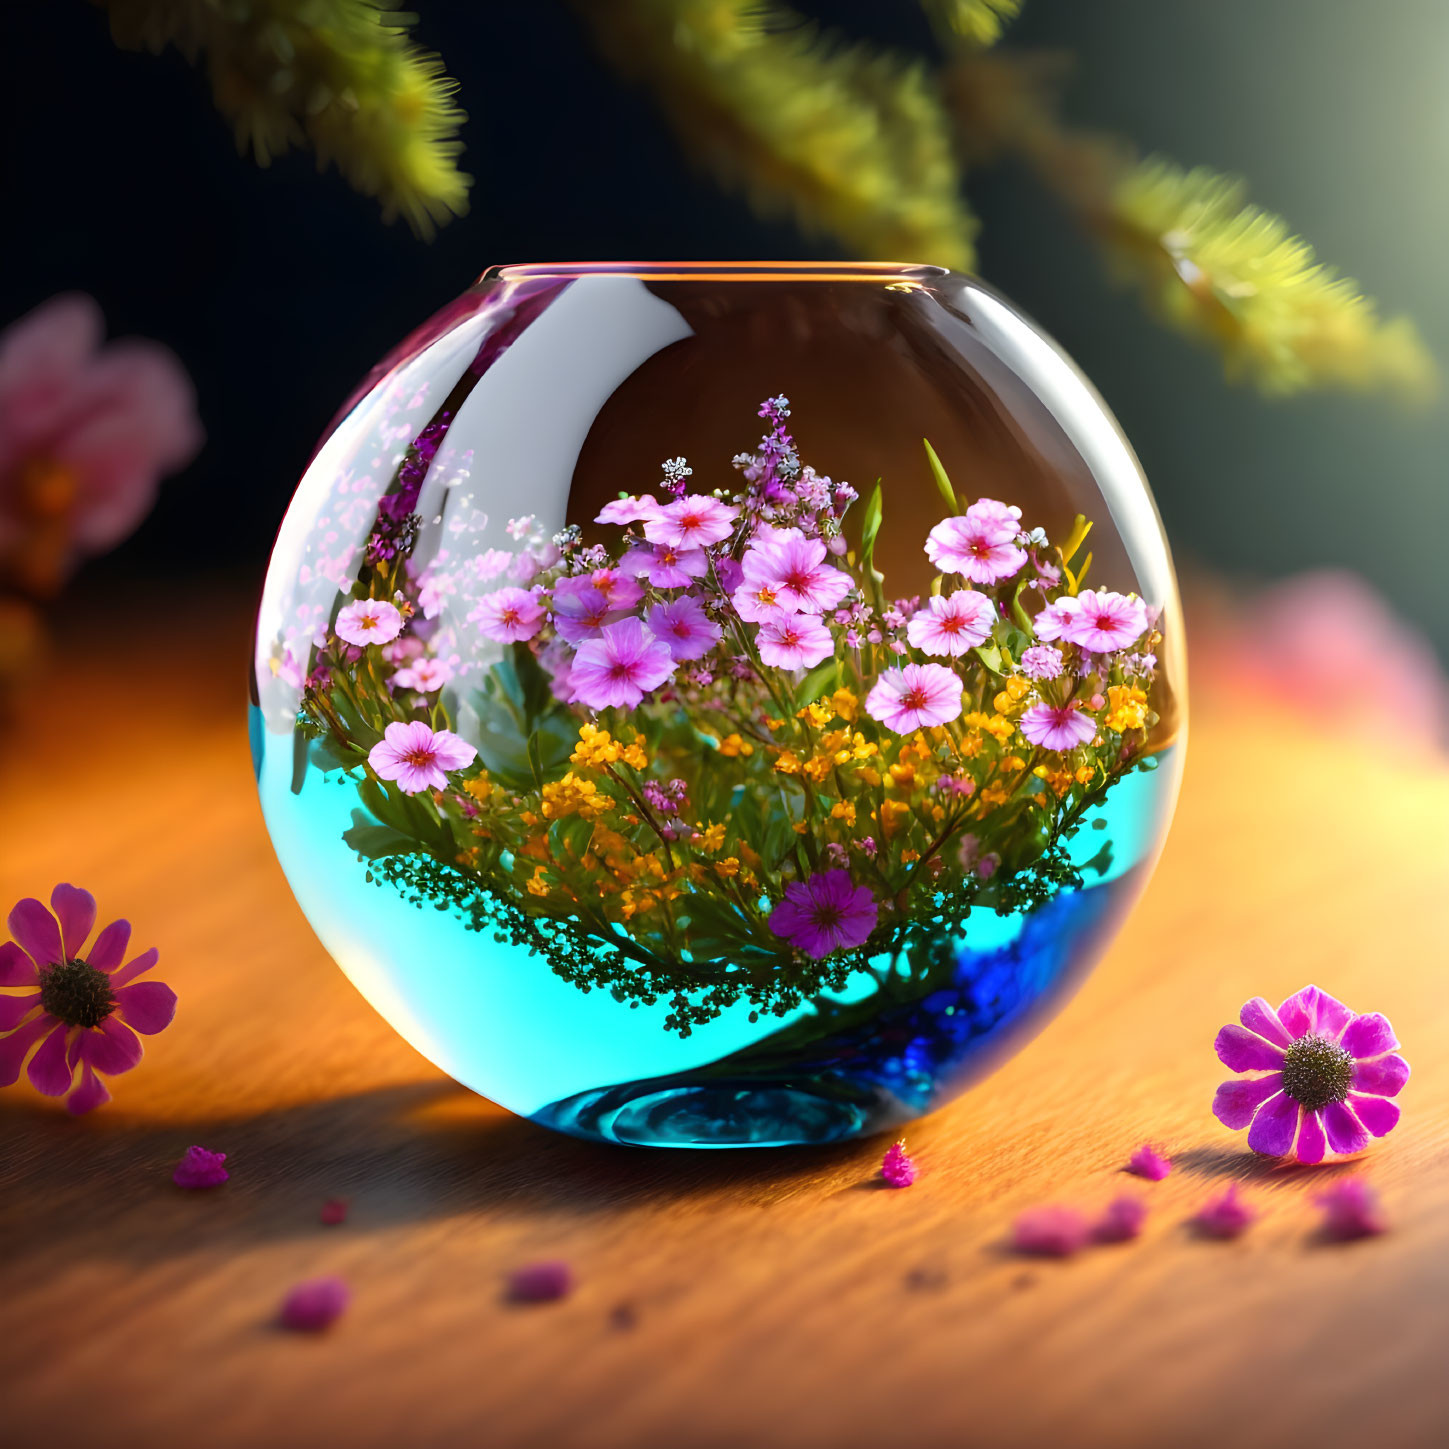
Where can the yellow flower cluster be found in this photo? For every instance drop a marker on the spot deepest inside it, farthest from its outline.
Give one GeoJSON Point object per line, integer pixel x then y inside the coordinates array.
{"type": "Point", "coordinates": [598, 748]}
{"type": "Point", "coordinates": [574, 796]}
{"type": "Point", "coordinates": [1126, 708]}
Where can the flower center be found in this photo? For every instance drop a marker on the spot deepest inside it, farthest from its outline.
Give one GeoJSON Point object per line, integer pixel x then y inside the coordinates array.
{"type": "Point", "coordinates": [1316, 1072]}
{"type": "Point", "coordinates": [914, 699]}
{"type": "Point", "coordinates": [420, 759]}
{"type": "Point", "coordinates": [827, 916]}
{"type": "Point", "coordinates": [76, 993]}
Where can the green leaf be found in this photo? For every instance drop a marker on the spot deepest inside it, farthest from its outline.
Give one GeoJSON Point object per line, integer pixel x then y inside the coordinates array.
{"type": "Point", "coordinates": [373, 841]}
{"type": "Point", "coordinates": [990, 656]}
{"type": "Point", "coordinates": [820, 681]}
{"type": "Point", "coordinates": [870, 525]}
{"type": "Point", "coordinates": [943, 483]}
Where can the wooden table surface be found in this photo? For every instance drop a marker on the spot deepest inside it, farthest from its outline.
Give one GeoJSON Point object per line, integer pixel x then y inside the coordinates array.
{"type": "Point", "coordinates": [738, 1298]}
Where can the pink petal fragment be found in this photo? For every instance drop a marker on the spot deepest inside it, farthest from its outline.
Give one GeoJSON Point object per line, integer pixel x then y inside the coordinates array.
{"type": "Point", "coordinates": [1310, 1146]}
{"type": "Point", "coordinates": [132, 969]}
{"type": "Point", "coordinates": [1148, 1162]}
{"type": "Point", "coordinates": [541, 1282]}
{"type": "Point", "coordinates": [75, 909]}
{"type": "Point", "coordinates": [1314, 1012]}
{"type": "Point", "coordinates": [14, 1009]}
{"type": "Point", "coordinates": [1260, 1018]}
{"type": "Point", "coordinates": [1382, 1077]}
{"type": "Point", "coordinates": [1351, 1209]}
{"type": "Point", "coordinates": [110, 946]}
{"type": "Point", "coordinates": [14, 1047]}
{"type": "Point", "coordinates": [896, 1167]}
{"type": "Point", "coordinates": [90, 1092]}
{"type": "Point", "coordinates": [37, 932]}
{"type": "Point", "coordinates": [334, 1211]}
{"type": "Point", "coordinates": [1378, 1114]}
{"type": "Point", "coordinates": [313, 1306]}
{"type": "Point", "coordinates": [147, 1007]}
{"type": "Point", "coordinates": [49, 1071]}
{"type": "Point", "coordinates": [200, 1168]}
{"type": "Point", "coordinates": [1275, 1126]}
{"type": "Point", "coordinates": [1346, 1133]}
{"type": "Point", "coordinates": [111, 1047]}
{"type": "Point", "coordinates": [16, 968]}
{"type": "Point", "coordinates": [1241, 1050]}
{"type": "Point", "coordinates": [1122, 1220]}
{"type": "Point", "coordinates": [1236, 1102]}
{"type": "Point", "coordinates": [1369, 1036]}
{"type": "Point", "coordinates": [1226, 1216]}
{"type": "Point", "coordinates": [1049, 1232]}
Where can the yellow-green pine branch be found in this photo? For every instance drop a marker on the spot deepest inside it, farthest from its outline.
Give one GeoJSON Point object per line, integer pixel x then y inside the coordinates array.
{"type": "Point", "coordinates": [977, 22]}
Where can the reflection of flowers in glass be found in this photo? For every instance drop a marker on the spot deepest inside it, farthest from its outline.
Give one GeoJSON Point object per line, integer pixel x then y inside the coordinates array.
{"type": "Point", "coordinates": [620, 667]}
{"type": "Point", "coordinates": [828, 912]}
{"type": "Point", "coordinates": [1057, 727]}
{"type": "Point", "coordinates": [419, 757]}
{"type": "Point", "coordinates": [915, 697]}
{"type": "Point", "coordinates": [1321, 1076]}
{"type": "Point", "coordinates": [424, 675]}
{"type": "Point", "coordinates": [952, 623]}
{"type": "Point", "coordinates": [369, 621]}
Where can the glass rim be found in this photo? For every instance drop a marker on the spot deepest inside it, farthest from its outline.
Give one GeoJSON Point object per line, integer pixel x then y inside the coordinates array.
{"type": "Point", "coordinates": [707, 271]}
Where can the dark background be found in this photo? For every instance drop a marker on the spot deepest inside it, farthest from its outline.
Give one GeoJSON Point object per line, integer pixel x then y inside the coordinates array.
{"type": "Point", "coordinates": [279, 288]}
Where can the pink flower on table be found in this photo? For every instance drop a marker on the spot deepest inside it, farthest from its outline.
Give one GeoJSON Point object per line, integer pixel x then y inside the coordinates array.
{"type": "Point", "coordinates": [81, 1009]}
{"type": "Point", "coordinates": [87, 430]}
{"type": "Point", "coordinates": [828, 912]}
{"type": "Point", "coordinates": [1121, 1220]}
{"type": "Point", "coordinates": [618, 588]}
{"type": "Point", "coordinates": [1351, 1209]}
{"type": "Point", "coordinates": [794, 641]}
{"type": "Point", "coordinates": [786, 570]}
{"type": "Point", "coordinates": [1050, 1232]}
{"type": "Point", "coordinates": [914, 697]}
{"type": "Point", "coordinates": [368, 621]}
{"type": "Point", "coordinates": [200, 1169]}
{"type": "Point", "coordinates": [666, 567]}
{"type": "Point", "coordinates": [508, 616]}
{"type": "Point", "coordinates": [1041, 662]}
{"type": "Point", "coordinates": [952, 623]}
{"type": "Point", "coordinates": [1103, 622]}
{"type": "Point", "coordinates": [684, 626]}
{"type": "Point", "coordinates": [897, 1168]}
{"type": "Point", "coordinates": [316, 1305]}
{"type": "Point", "coordinates": [1148, 1162]}
{"type": "Point", "coordinates": [582, 614]}
{"type": "Point", "coordinates": [424, 675]}
{"type": "Point", "coordinates": [1057, 727]}
{"type": "Point", "coordinates": [418, 756]}
{"type": "Point", "coordinates": [692, 522]}
{"type": "Point", "coordinates": [543, 1282]}
{"type": "Point", "coordinates": [1319, 1077]}
{"type": "Point", "coordinates": [627, 510]}
{"type": "Point", "coordinates": [1053, 622]}
{"type": "Point", "coordinates": [620, 667]}
{"type": "Point", "coordinates": [1226, 1216]}
{"type": "Point", "coordinates": [979, 545]}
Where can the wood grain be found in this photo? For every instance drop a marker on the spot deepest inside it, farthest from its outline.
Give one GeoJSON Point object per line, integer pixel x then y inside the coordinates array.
{"type": "Point", "coordinates": [771, 1298]}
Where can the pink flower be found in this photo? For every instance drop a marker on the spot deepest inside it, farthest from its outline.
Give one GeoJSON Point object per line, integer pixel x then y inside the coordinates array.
{"type": "Point", "coordinates": [83, 1010]}
{"type": "Point", "coordinates": [693, 522]}
{"type": "Point", "coordinates": [915, 697]}
{"type": "Point", "coordinates": [1105, 621]}
{"type": "Point", "coordinates": [952, 623]}
{"type": "Point", "coordinates": [1121, 1221]}
{"type": "Point", "coordinates": [1227, 1216]}
{"type": "Point", "coordinates": [788, 571]}
{"type": "Point", "coordinates": [1041, 662]}
{"type": "Point", "coordinates": [581, 614]}
{"type": "Point", "coordinates": [684, 626]}
{"type": "Point", "coordinates": [1050, 1232]}
{"type": "Point", "coordinates": [627, 510]}
{"type": "Point", "coordinates": [618, 588]}
{"type": "Point", "coordinates": [980, 544]}
{"type": "Point", "coordinates": [543, 1282]}
{"type": "Point", "coordinates": [1057, 727]}
{"type": "Point", "coordinates": [424, 675]}
{"type": "Point", "coordinates": [1320, 1077]}
{"type": "Point", "coordinates": [199, 1169]}
{"type": "Point", "coordinates": [1054, 621]}
{"type": "Point", "coordinates": [620, 667]}
{"type": "Point", "coordinates": [828, 912]}
{"type": "Point", "coordinates": [1148, 1162]}
{"type": "Point", "coordinates": [794, 641]}
{"type": "Point", "coordinates": [508, 616]}
{"type": "Point", "coordinates": [417, 756]}
{"type": "Point", "coordinates": [368, 621]}
{"type": "Point", "coordinates": [316, 1305]}
{"type": "Point", "coordinates": [1351, 1209]}
{"type": "Point", "coordinates": [87, 430]}
{"type": "Point", "coordinates": [666, 567]}
{"type": "Point", "coordinates": [896, 1168]}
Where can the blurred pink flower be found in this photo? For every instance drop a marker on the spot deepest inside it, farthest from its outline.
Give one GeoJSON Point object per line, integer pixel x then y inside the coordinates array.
{"type": "Point", "coordinates": [1148, 1162]}
{"type": "Point", "coordinates": [200, 1168]}
{"type": "Point", "coordinates": [87, 430]}
{"type": "Point", "coordinates": [1050, 1231]}
{"type": "Point", "coordinates": [1351, 1210]}
{"type": "Point", "coordinates": [315, 1305]}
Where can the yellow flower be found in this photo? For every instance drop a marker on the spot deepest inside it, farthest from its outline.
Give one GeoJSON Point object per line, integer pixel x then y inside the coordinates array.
{"type": "Point", "coordinates": [727, 868]}
{"type": "Point", "coordinates": [847, 706]}
{"type": "Point", "coordinates": [817, 768]}
{"type": "Point", "coordinates": [537, 886]}
{"type": "Point", "coordinates": [998, 728]}
{"type": "Point", "coordinates": [817, 715]}
{"type": "Point", "coordinates": [733, 745]}
{"type": "Point", "coordinates": [907, 856]}
{"type": "Point", "coordinates": [843, 810]}
{"type": "Point", "coordinates": [634, 755]}
{"type": "Point", "coordinates": [711, 838]}
{"type": "Point", "coordinates": [788, 763]}
{"type": "Point", "coordinates": [480, 787]}
{"type": "Point", "coordinates": [890, 816]}
{"type": "Point", "coordinates": [596, 747]}
{"type": "Point", "coordinates": [573, 796]}
{"type": "Point", "coordinates": [1085, 774]}
{"type": "Point", "coordinates": [773, 724]}
{"type": "Point", "coordinates": [801, 827]}
{"type": "Point", "coordinates": [903, 774]}
{"type": "Point", "coordinates": [1126, 708]}
{"type": "Point", "coordinates": [869, 775]}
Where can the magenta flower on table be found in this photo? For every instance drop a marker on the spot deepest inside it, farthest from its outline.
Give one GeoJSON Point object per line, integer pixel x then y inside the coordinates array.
{"type": "Point", "coordinates": [786, 570]}
{"type": "Point", "coordinates": [621, 666]}
{"type": "Point", "coordinates": [1104, 622]}
{"type": "Point", "coordinates": [691, 523]}
{"type": "Point", "coordinates": [828, 912]}
{"type": "Point", "coordinates": [508, 616]}
{"type": "Point", "coordinates": [80, 1009]}
{"type": "Point", "coordinates": [369, 621]}
{"type": "Point", "coordinates": [418, 757]}
{"type": "Point", "coordinates": [684, 627]}
{"type": "Point", "coordinates": [980, 544]}
{"type": "Point", "coordinates": [1318, 1077]}
{"type": "Point", "coordinates": [665, 566]}
{"type": "Point", "coordinates": [915, 697]}
{"type": "Point", "coordinates": [1057, 727]}
{"type": "Point", "coordinates": [951, 624]}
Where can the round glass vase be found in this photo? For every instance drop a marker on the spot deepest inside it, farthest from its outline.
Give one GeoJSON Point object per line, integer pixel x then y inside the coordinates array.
{"type": "Point", "coordinates": [719, 705]}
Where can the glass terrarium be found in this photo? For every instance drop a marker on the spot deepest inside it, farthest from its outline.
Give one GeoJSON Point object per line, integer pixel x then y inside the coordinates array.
{"type": "Point", "coordinates": [719, 705]}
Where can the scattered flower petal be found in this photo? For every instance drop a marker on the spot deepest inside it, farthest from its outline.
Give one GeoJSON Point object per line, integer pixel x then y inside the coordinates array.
{"type": "Point", "coordinates": [1121, 1220]}
{"type": "Point", "coordinates": [1351, 1209]}
{"type": "Point", "coordinates": [542, 1282]}
{"type": "Point", "coordinates": [1050, 1232]}
{"type": "Point", "coordinates": [200, 1168]}
{"type": "Point", "coordinates": [1227, 1216]}
{"type": "Point", "coordinates": [334, 1211]}
{"type": "Point", "coordinates": [315, 1305]}
{"type": "Point", "coordinates": [1148, 1162]}
{"type": "Point", "coordinates": [898, 1169]}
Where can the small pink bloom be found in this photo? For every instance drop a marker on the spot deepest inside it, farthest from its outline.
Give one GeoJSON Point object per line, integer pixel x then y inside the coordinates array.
{"type": "Point", "coordinates": [666, 567]}
{"type": "Point", "coordinates": [979, 544]}
{"type": "Point", "coordinates": [1041, 662]}
{"type": "Point", "coordinates": [1351, 1209]}
{"type": "Point", "coordinates": [1121, 1221]}
{"type": "Point", "coordinates": [1227, 1216]}
{"type": "Point", "coordinates": [333, 1212]}
{"type": "Point", "coordinates": [896, 1168]}
{"type": "Point", "coordinates": [581, 614]}
{"type": "Point", "coordinates": [199, 1168]}
{"type": "Point", "coordinates": [1050, 1232]}
{"type": "Point", "coordinates": [418, 757]}
{"type": "Point", "coordinates": [618, 588]}
{"type": "Point", "coordinates": [620, 667]}
{"type": "Point", "coordinates": [369, 621]}
{"type": "Point", "coordinates": [1105, 621]}
{"type": "Point", "coordinates": [692, 522]}
{"type": "Point", "coordinates": [508, 616]}
{"type": "Point", "coordinates": [786, 570]}
{"type": "Point", "coordinates": [83, 1008]}
{"type": "Point", "coordinates": [1148, 1162]}
{"type": "Point", "coordinates": [952, 623]}
{"type": "Point", "coordinates": [916, 696]}
{"type": "Point", "coordinates": [794, 641]}
{"type": "Point", "coordinates": [543, 1282]}
{"type": "Point", "coordinates": [316, 1305]}
{"type": "Point", "coordinates": [684, 626]}
{"type": "Point", "coordinates": [1057, 727]}
{"type": "Point", "coordinates": [1053, 622]}
{"type": "Point", "coordinates": [624, 511]}
{"type": "Point", "coordinates": [1317, 1077]}
{"type": "Point", "coordinates": [424, 675]}
{"type": "Point", "coordinates": [828, 912]}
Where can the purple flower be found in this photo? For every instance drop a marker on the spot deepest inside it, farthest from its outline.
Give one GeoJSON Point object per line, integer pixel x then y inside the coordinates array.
{"type": "Point", "coordinates": [666, 567]}
{"type": "Point", "coordinates": [1226, 1216]}
{"type": "Point", "coordinates": [619, 589]}
{"type": "Point", "coordinates": [1351, 1209]}
{"type": "Point", "coordinates": [543, 1282]}
{"type": "Point", "coordinates": [1148, 1162]}
{"type": "Point", "coordinates": [828, 912]}
{"type": "Point", "coordinates": [1320, 1077]}
{"type": "Point", "coordinates": [786, 570]}
{"type": "Point", "coordinates": [620, 667]}
{"type": "Point", "coordinates": [979, 545]}
{"type": "Point", "coordinates": [368, 621]}
{"type": "Point", "coordinates": [1041, 662]}
{"type": "Point", "coordinates": [199, 1169]}
{"type": "Point", "coordinates": [83, 1010]}
{"type": "Point", "coordinates": [684, 626]}
{"type": "Point", "coordinates": [417, 756]}
{"type": "Point", "coordinates": [915, 697]}
{"type": "Point", "coordinates": [689, 523]}
{"type": "Point", "coordinates": [1105, 621]}
{"type": "Point", "coordinates": [952, 623]}
{"type": "Point", "coordinates": [1057, 727]}
{"type": "Point", "coordinates": [508, 616]}
{"type": "Point", "coordinates": [1121, 1221]}
{"type": "Point", "coordinates": [794, 641]}
{"type": "Point", "coordinates": [582, 613]}
{"type": "Point", "coordinates": [316, 1305]}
